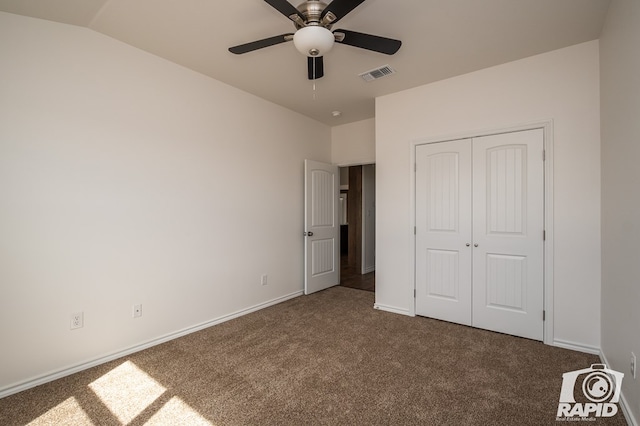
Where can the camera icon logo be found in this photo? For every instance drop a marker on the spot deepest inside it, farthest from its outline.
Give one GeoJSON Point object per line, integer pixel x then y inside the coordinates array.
{"type": "Point", "coordinates": [600, 386]}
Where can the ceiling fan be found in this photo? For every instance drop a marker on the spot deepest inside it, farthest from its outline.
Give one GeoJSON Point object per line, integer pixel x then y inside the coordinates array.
{"type": "Point", "coordinates": [313, 37]}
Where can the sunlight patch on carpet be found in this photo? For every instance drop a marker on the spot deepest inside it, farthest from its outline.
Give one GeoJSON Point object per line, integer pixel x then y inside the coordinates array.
{"type": "Point", "coordinates": [127, 391]}
{"type": "Point", "coordinates": [69, 410]}
{"type": "Point", "coordinates": [177, 412]}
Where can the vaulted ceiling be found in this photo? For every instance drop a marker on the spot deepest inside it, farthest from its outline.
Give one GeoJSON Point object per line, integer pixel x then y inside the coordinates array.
{"type": "Point", "coordinates": [441, 39]}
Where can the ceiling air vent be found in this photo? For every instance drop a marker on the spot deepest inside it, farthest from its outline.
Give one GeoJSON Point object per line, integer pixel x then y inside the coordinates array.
{"type": "Point", "coordinates": [377, 73]}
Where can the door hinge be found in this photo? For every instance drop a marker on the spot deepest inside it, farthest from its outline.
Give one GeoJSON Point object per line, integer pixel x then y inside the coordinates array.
{"type": "Point", "coordinates": [415, 230]}
{"type": "Point", "coordinates": [544, 235]}
{"type": "Point", "coordinates": [415, 167]}
{"type": "Point", "coordinates": [544, 315]}
{"type": "Point", "coordinates": [414, 293]}
{"type": "Point", "coordinates": [544, 155]}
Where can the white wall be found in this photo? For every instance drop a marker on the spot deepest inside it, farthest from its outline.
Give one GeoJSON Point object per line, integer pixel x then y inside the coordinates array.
{"type": "Point", "coordinates": [620, 88]}
{"type": "Point", "coordinates": [563, 86]}
{"type": "Point", "coordinates": [127, 179]}
{"type": "Point", "coordinates": [354, 143]}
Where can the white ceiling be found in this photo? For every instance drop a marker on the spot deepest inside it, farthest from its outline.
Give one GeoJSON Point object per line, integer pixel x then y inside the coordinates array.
{"type": "Point", "coordinates": [441, 39]}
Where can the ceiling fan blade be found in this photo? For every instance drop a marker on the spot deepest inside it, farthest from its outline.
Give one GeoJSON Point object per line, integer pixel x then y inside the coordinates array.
{"type": "Point", "coordinates": [379, 44]}
{"type": "Point", "coordinates": [286, 8]}
{"type": "Point", "coordinates": [340, 8]}
{"type": "Point", "coordinates": [315, 65]}
{"type": "Point", "coordinates": [259, 44]}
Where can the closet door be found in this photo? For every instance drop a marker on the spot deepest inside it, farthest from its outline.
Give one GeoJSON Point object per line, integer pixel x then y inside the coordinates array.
{"type": "Point", "coordinates": [508, 224]}
{"type": "Point", "coordinates": [443, 231]}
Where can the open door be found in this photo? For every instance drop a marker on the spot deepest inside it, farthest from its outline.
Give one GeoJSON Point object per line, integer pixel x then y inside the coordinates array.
{"type": "Point", "coordinates": [322, 226]}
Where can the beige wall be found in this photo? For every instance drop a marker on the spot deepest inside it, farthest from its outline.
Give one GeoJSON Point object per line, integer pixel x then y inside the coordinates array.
{"type": "Point", "coordinates": [353, 143]}
{"type": "Point", "coordinates": [562, 86]}
{"type": "Point", "coordinates": [127, 179]}
{"type": "Point", "coordinates": [620, 85]}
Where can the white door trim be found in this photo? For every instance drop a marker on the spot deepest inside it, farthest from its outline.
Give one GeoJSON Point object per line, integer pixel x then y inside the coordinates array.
{"type": "Point", "coordinates": [547, 127]}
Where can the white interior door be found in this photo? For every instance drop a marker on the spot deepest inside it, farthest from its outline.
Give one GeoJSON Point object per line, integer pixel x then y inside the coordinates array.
{"type": "Point", "coordinates": [322, 226]}
{"type": "Point", "coordinates": [508, 225]}
{"type": "Point", "coordinates": [479, 232]}
{"type": "Point", "coordinates": [443, 231]}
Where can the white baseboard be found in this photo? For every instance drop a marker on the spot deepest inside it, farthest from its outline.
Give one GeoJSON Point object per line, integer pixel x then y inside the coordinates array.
{"type": "Point", "coordinates": [628, 414]}
{"type": "Point", "coordinates": [593, 350]}
{"type": "Point", "coordinates": [19, 387]}
{"type": "Point", "coordinates": [392, 309]}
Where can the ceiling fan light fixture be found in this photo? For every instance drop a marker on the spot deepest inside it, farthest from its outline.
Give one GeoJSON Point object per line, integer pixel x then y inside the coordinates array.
{"type": "Point", "coordinates": [313, 40]}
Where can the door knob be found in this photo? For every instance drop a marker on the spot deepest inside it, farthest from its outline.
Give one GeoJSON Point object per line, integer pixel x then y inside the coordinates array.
{"type": "Point", "coordinates": [468, 244]}
{"type": "Point", "coordinates": [309, 234]}
{"type": "Point", "coordinates": [475, 245]}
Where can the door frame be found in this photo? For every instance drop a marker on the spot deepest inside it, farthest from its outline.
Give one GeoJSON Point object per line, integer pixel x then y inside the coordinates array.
{"type": "Point", "coordinates": [547, 127]}
{"type": "Point", "coordinates": [362, 222]}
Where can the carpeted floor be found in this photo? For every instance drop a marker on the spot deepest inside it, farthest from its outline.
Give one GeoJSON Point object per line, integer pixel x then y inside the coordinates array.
{"type": "Point", "coordinates": [324, 359]}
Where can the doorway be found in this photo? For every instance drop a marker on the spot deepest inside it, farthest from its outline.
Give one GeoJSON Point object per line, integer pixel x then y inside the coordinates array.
{"type": "Point", "coordinates": [357, 227]}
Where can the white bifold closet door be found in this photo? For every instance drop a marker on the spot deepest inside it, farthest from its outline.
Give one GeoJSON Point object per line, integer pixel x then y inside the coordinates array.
{"type": "Point", "coordinates": [479, 232]}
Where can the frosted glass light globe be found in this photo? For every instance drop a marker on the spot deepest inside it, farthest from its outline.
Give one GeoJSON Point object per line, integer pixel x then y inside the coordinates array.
{"type": "Point", "coordinates": [313, 40]}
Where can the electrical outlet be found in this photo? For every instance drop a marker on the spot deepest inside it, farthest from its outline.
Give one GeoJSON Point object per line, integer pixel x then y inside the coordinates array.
{"type": "Point", "coordinates": [263, 279]}
{"type": "Point", "coordinates": [633, 365]}
{"type": "Point", "coordinates": [137, 311]}
{"type": "Point", "coordinates": [77, 320]}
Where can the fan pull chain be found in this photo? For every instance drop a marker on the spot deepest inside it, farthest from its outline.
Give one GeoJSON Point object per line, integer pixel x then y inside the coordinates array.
{"type": "Point", "coordinates": [314, 91]}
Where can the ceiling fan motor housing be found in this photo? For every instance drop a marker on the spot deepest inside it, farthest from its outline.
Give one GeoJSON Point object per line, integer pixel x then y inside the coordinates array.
{"type": "Point", "coordinates": [312, 12]}
{"type": "Point", "coordinates": [313, 38]}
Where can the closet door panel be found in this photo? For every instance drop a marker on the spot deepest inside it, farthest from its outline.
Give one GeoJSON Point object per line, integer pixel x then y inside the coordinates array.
{"type": "Point", "coordinates": [508, 224]}
{"type": "Point", "coordinates": [443, 231]}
